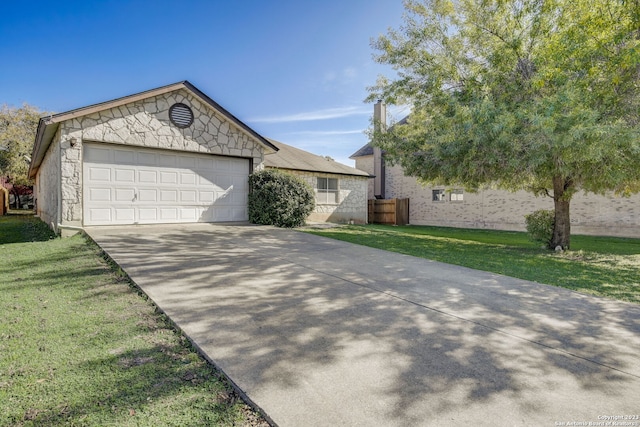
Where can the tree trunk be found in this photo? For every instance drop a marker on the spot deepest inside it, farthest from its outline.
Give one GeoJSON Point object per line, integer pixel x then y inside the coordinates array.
{"type": "Point", "coordinates": [16, 198]}
{"type": "Point", "coordinates": [561, 200]}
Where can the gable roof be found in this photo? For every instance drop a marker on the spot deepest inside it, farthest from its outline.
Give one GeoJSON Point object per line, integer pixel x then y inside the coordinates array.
{"type": "Point", "coordinates": [367, 149]}
{"type": "Point", "coordinates": [289, 157]}
{"type": "Point", "coordinates": [48, 125]}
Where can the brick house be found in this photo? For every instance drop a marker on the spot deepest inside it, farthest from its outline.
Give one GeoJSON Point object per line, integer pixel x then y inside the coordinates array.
{"type": "Point", "coordinates": [610, 214]}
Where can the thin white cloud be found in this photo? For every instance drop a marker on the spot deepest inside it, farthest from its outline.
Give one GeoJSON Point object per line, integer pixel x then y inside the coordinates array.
{"type": "Point", "coordinates": [327, 132]}
{"type": "Point", "coordinates": [326, 114]}
{"type": "Point", "coordinates": [350, 72]}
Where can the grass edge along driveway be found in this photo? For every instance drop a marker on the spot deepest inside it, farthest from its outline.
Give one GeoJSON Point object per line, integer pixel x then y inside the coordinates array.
{"type": "Point", "coordinates": [602, 266]}
{"type": "Point", "coordinates": [80, 346]}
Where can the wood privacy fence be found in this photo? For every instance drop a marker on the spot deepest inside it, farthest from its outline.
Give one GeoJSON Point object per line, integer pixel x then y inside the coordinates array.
{"type": "Point", "coordinates": [4, 200]}
{"type": "Point", "coordinates": [389, 211]}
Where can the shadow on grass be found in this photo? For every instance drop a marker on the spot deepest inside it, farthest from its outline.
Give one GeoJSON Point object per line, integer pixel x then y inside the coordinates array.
{"type": "Point", "coordinates": [79, 348]}
{"type": "Point", "coordinates": [22, 228]}
{"type": "Point", "coordinates": [515, 257]}
{"type": "Point", "coordinates": [160, 382]}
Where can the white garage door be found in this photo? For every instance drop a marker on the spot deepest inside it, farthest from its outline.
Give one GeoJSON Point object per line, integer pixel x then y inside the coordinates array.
{"type": "Point", "coordinates": [125, 185]}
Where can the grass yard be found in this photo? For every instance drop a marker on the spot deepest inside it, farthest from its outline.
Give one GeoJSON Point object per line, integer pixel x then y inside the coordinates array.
{"type": "Point", "coordinates": [79, 345]}
{"type": "Point", "coordinates": [604, 266]}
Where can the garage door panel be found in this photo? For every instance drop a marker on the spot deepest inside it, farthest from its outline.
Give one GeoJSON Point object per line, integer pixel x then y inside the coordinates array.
{"type": "Point", "coordinates": [125, 195]}
{"type": "Point", "coordinates": [125, 185]}
{"type": "Point", "coordinates": [100, 195]}
{"type": "Point", "coordinates": [206, 180]}
{"type": "Point", "coordinates": [206, 164]}
{"type": "Point", "coordinates": [147, 159]}
{"type": "Point", "coordinates": [188, 196]}
{"type": "Point", "coordinates": [98, 155]}
{"type": "Point", "coordinates": [187, 178]}
{"type": "Point", "coordinates": [100, 174]}
{"type": "Point", "coordinates": [186, 162]}
{"type": "Point", "coordinates": [166, 160]}
{"type": "Point", "coordinates": [124, 215]}
{"type": "Point", "coordinates": [207, 197]}
{"type": "Point", "coordinates": [189, 214]}
{"type": "Point", "coordinates": [168, 196]}
{"type": "Point", "coordinates": [148, 195]}
{"type": "Point", "coordinates": [168, 177]}
{"type": "Point", "coordinates": [124, 157]}
{"type": "Point", "coordinates": [148, 177]}
{"type": "Point", "coordinates": [148, 214]}
{"type": "Point", "coordinates": [168, 214]}
{"type": "Point", "coordinates": [125, 175]}
{"type": "Point", "coordinates": [100, 215]}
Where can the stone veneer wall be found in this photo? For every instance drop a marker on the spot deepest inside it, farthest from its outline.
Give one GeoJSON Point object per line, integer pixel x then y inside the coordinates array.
{"type": "Point", "coordinates": [352, 196]}
{"type": "Point", "coordinates": [47, 186]}
{"type": "Point", "coordinates": [146, 123]}
{"type": "Point", "coordinates": [497, 209]}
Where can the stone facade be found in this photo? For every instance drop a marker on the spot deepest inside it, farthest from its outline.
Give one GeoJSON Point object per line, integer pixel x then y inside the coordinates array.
{"type": "Point", "coordinates": [47, 188]}
{"type": "Point", "coordinates": [496, 209]}
{"type": "Point", "coordinates": [143, 123]}
{"type": "Point", "coordinates": [352, 198]}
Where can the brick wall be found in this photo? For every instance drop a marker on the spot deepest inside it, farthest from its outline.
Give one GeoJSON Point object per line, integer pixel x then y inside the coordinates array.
{"type": "Point", "coordinates": [496, 209]}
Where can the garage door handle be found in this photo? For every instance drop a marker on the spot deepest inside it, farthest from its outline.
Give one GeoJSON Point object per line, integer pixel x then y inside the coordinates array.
{"type": "Point", "coordinates": [135, 197]}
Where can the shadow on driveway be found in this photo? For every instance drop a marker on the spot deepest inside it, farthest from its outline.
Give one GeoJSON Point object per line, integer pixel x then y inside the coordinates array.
{"type": "Point", "coordinates": [320, 332]}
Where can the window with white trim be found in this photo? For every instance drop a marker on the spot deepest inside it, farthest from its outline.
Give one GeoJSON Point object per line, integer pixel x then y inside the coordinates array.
{"type": "Point", "coordinates": [457, 195]}
{"type": "Point", "coordinates": [327, 191]}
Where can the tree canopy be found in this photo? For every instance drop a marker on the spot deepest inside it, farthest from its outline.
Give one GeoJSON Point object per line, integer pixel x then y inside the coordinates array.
{"type": "Point", "coordinates": [541, 95]}
{"type": "Point", "coordinates": [17, 134]}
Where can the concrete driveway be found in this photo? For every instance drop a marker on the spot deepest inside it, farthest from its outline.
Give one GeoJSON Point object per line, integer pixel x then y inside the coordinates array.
{"type": "Point", "coordinates": [318, 332]}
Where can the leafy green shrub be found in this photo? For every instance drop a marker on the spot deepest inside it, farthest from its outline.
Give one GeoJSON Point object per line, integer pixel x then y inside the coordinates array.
{"type": "Point", "coordinates": [279, 199]}
{"type": "Point", "coordinates": [540, 226]}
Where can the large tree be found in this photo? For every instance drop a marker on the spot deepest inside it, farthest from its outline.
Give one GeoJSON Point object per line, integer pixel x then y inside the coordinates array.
{"type": "Point", "coordinates": [541, 95]}
{"type": "Point", "coordinates": [17, 134]}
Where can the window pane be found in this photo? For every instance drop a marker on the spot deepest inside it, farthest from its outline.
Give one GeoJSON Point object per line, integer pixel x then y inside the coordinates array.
{"type": "Point", "coordinates": [438, 195]}
{"type": "Point", "coordinates": [332, 183]}
{"type": "Point", "coordinates": [457, 195]}
{"type": "Point", "coordinates": [322, 183]}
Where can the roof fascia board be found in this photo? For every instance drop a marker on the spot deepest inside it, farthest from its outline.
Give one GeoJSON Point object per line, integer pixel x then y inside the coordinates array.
{"type": "Point", "coordinates": [45, 122]}
{"type": "Point", "coordinates": [316, 171]}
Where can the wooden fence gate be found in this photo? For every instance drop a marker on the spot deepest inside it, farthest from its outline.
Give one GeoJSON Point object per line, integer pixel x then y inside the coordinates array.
{"type": "Point", "coordinates": [389, 211]}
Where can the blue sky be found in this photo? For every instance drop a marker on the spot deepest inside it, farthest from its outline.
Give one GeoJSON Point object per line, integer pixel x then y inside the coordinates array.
{"type": "Point", "coordinates": [295, 71]}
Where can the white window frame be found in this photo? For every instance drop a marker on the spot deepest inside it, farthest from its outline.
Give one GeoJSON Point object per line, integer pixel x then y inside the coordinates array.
{"type": "Point", "coordinates": [325, 195]}
{"type": "Point", "coordinates": [457, 195]}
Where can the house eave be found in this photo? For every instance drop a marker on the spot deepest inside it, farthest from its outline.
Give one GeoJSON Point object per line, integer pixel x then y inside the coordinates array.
{"type": "Point", "coordinates": [47, 126]}
{"type": "Point", "coordinates": [317, 171]}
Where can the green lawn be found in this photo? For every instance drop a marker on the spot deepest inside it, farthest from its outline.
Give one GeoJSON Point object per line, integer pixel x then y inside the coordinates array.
{"type": "Point", "coordinates": [605, 266]}
{"type": "Point", "coordinates": [79, 345]}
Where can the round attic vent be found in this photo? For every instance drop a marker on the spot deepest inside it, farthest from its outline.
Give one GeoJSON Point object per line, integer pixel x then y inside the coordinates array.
{"type": "Point", "coordinates": [181, 115]}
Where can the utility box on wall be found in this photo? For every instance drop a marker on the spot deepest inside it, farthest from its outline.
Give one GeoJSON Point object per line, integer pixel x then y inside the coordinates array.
{"type": "Point", "coordinates": [389, 211]}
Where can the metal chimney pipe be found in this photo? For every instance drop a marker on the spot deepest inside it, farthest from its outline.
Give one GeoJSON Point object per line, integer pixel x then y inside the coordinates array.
{"type": "Point", "coordinates": [380, 125]}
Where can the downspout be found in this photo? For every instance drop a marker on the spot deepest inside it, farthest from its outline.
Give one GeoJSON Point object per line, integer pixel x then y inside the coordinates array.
{"type": "Point", "coordinates": [380, 125]}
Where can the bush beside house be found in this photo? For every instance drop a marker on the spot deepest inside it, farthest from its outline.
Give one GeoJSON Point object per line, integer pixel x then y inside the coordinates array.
{"type": "Point", "coordinates": [279, 199]}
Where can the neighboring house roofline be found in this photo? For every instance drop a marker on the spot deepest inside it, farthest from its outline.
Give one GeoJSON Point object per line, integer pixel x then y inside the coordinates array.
{"type": "Point", "coordinates": [367, 149]}
{"type": "Point", "coordinates": [48, 125]}
{"type": "Point", "coordinates": [293, 158]}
